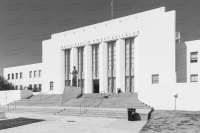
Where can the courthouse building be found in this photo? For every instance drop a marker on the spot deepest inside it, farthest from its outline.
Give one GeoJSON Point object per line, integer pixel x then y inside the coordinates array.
{"type": "Point", "coordinates": [133, 53]}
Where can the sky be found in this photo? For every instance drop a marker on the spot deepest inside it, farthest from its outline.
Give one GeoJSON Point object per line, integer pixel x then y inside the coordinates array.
{"type": "Point", "coordinates": [24, 24]}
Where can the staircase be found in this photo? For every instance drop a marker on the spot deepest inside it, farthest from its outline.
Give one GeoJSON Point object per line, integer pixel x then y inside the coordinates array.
{"type": "Point", "coordinates": [85, 100]}
{"type": "Point", "coordinates": [114, 105]}
{"type": "Point", "coordinates": [122, 100]}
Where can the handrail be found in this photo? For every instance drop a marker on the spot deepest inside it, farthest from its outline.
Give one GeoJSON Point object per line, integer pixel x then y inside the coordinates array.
{"type": "Point", "coordinates": [103, 93]}
{"type": "Point", "coordinates": [47, 92]}
{"type": "Point", "coordinates": [35, 96]}
{"type": "Point", "coordinates": [84, 104]}
{"type": "Point", "coordinates": [12, 102]}
{"type": "Point", "coordinates": [40, 95]}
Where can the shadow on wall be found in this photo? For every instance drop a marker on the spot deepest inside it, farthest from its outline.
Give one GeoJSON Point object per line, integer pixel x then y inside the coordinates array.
{"type": "Point", "coordinates": [181, 62]}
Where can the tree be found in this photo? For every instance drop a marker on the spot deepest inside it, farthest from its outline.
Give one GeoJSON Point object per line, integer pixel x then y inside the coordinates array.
{"type": "Point", "coordinates": [5, 85]}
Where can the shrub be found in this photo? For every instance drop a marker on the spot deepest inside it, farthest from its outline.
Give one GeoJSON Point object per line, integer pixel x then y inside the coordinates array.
{"type": "Point", "coordinates": [5, 85]}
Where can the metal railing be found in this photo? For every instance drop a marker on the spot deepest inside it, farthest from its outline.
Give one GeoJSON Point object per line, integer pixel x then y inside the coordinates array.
{"type": "Point", "coordinates": [103, 93]}
{"type": "Point", "coordinates": [84, 105]}
{"type": "Point", "coordinates": [15, 101]}
{"type": "Point", "coordinates": [41, 93]}
{"type": "Point", "coordinates": [47, 94]}
{"type": "Point", "coordinates": [35, 96]}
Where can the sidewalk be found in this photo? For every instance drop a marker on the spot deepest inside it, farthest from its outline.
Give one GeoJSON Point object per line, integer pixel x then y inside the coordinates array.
{"type": "Point", "coordinates": [73, 124]}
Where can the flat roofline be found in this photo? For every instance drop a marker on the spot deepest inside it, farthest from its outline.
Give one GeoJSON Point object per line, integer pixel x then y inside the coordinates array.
{"type": "Point", "coordinates": [109, 22]}
{"type": "Point", "coordinates": [22, 65]}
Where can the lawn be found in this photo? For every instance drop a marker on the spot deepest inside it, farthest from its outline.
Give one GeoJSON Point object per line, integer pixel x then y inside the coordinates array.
{"type": "Point", "coordinates": [173, 122]}
{"type": "Point", "coordinates": [4, 124]}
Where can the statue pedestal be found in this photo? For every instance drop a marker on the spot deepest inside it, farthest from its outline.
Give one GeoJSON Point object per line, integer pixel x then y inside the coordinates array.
{"type": "Point", "coordinates": [70, 92]}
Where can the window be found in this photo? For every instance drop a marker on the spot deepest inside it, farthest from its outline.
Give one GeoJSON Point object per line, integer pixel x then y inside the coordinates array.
{"type": "Point", "coordinates": [67, 67]}
{"type": "Point", "coordinates": [12, 75]}
{"type": "Point", "coordinates": [40, 87]}
{"type": "Point", "coordinates": [16, 76]}
{"type": "Point", "coordinates": [95, 59]}
{"type": "Point", "coordinates": [8, 76]}
{"type": "Point", "coordinates": [35, 88]}
{"type": "Point", "coordinates": [111, 66]}
{"type": "Point", "coordinates": [30, 74]}
{"type": "Point", "coordinates": [16, 87]}
{"type": "Point", "coordinates": [20, 75]}
{"type": "Point", "coordinates": [40, 73]}
{"type": "Point", "coordinates": [35, 74]}
{"type": "Point", "coordinates": [30, 86]}
{"type": "Point", "coordinates": [21, 87]}
{"type": "Point", "coordinates": [194, 57]}
{"type": "Point", "coordinates": [51, 85]}
{"type": "Point", "coordinates": [155, 79]}
{"type": "Point", "coordinates": [194, 78]}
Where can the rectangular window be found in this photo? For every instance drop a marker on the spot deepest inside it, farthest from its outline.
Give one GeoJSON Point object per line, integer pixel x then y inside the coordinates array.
{"type": "Point", "coordinates": [35, 74]}
{"type": "Point", "coordinates": [12, 75]}
{"type": "Point", "coordinates": [40, 73]}
{"type": "Point", "coordinates": [16, 87]}
{"type": "Point", "coordinates": [67, 67]}
{"type": "Point", "coordinates": [30, 86]}
{"type": "Point", "coordinates": [16, 75]}
{"type": "Point", "coordinates": [51, 85]}
{"type": "Point", "coordinates": [194, 57]}
{"type": "Point", "coordinates": [155, 79]}
{"type": "Point", "coordinates": [95, 59]}
{"type": "Point", "coordinates": [194, 78]}
{"type": "Point", "coordinates": [35, 88]}
{"type": "Point", "coordinates": [20, 75]}
{"type": "Point", "coordinates": [40, 87]}
{"type": "Point", "coordinates": [21, 87]}
{"type": "Point", "coordinates": [30, 74]}
{"type": "Point", "coordinates": [8, 76]}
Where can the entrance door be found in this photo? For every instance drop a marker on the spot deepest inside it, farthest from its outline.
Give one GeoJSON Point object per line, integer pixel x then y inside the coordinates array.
{"type": "Point", "coordinates": [96, 86]}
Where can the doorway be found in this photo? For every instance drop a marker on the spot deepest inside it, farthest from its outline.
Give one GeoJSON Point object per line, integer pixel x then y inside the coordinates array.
{"type": "Point", "coordinates": [96, 86]}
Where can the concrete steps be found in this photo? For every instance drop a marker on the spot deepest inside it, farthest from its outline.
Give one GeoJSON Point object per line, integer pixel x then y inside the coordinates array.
{"type": "Point", "coordinates": [112, 106]}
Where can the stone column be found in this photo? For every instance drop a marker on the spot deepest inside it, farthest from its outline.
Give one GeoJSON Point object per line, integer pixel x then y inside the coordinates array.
{"type": "Point", "coordinates": [88, 83]}
{"type": "Point", "coordinates": [62, 71]}
{"type": "Point", "coordinates": [103, 67]}
{"type": "Point", "coordinates": [120, 65]}
{"type": "Point", "coordinates": [136, 63]}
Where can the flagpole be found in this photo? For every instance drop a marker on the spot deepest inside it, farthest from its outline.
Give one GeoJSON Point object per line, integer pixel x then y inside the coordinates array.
{"type": "Point", "coordinates": [112, 9]}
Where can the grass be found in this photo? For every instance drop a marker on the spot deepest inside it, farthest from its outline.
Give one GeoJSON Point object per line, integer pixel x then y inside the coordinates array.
{"type": "Point", "coordinates": [4, 124]}
{"type": "Point", "coordinates": [173, 122]}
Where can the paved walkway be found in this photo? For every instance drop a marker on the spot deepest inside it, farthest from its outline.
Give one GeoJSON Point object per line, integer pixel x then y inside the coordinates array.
{"type": "Point", "coordinates": [62, 124]}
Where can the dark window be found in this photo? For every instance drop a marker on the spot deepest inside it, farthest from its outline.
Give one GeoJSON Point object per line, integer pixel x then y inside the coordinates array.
{"type": "Point", "coordinates": [35, 74]}
{"type": "Point", "coordinates": [40, 73]}
{"type": "Point", "coordinates": [8, 76]}
{"type": "Point", "coordinates": [51, 85]}
{"type": "Point", "coordinates": [30, 86]}
{"type": "Point", "coordinates": [155, 79]}
{"type": "Point", "coordinates": [35, 88]}
{"type": "Point", "coordinates": [20, 75]}
{"type": "Point", "coordinates": [16, 76]}
{"type": "Point", "coordinates": [16, 87]}
{"type": "Point", "coordinates": [40, 87]}
{"type": "Point", "coordinates": [194, 57]}
{"type": "Point", "coordinates": [30, 74]}
{"type": "Point", "coordinates": [194, 78]}
{"type": "Point", "coordinates": [12, 75]}
{"type": "Point", "coordinates": [21, 87]}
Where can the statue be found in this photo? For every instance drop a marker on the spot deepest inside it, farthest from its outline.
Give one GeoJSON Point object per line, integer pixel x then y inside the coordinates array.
{"type": "Point", "coordinates": [74, 77]}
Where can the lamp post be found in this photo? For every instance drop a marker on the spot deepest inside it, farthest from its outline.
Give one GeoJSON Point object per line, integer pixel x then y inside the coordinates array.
{"type": "Point", "coordinates": [175, 96]}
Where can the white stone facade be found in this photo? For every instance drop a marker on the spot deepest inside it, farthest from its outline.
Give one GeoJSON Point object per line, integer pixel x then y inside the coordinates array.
{"type": "Point", "coordinates": [136, 53]}
{"type": "Point", "coordinates": [20, 75]}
